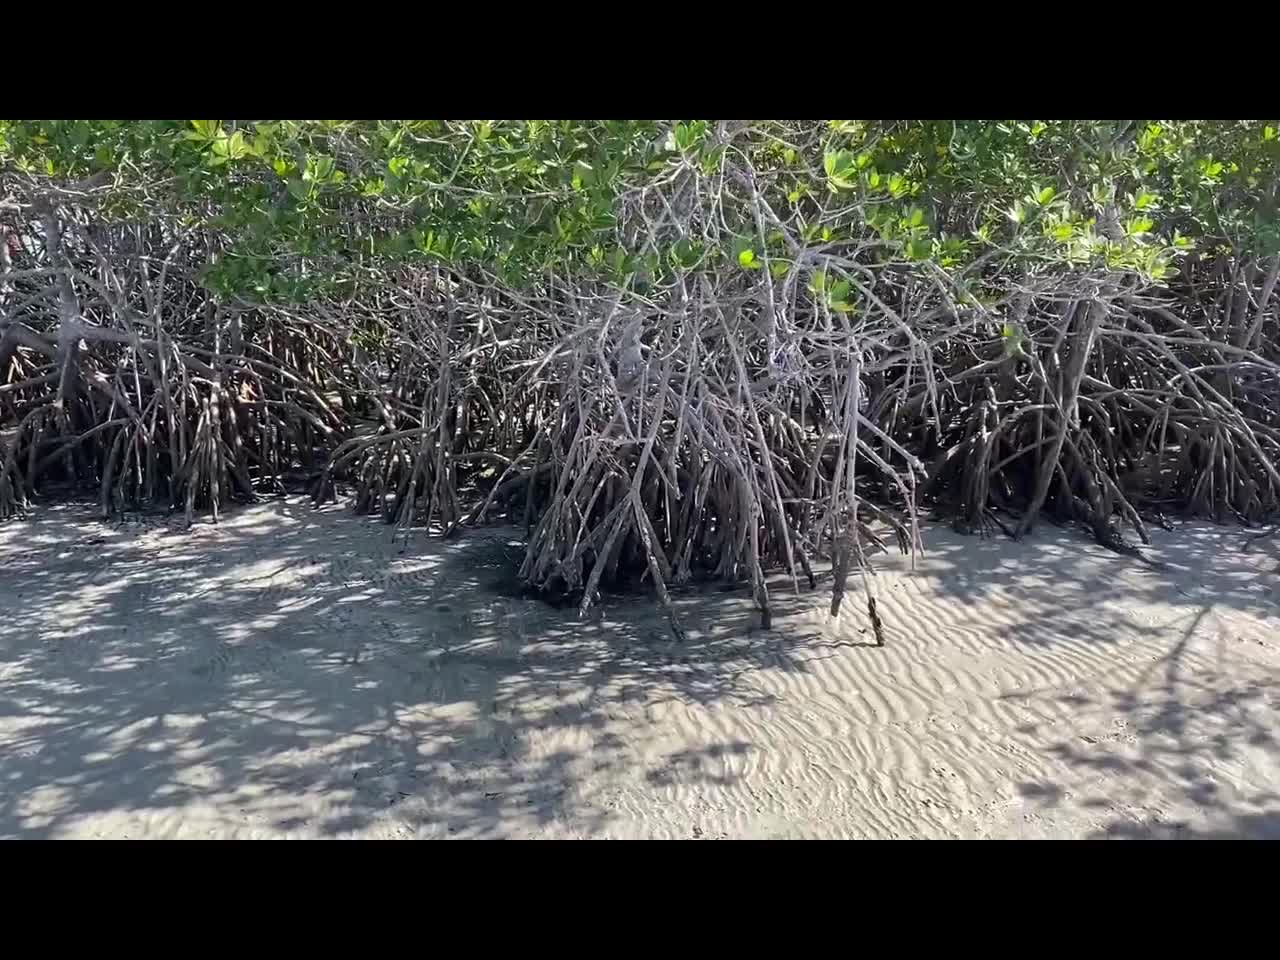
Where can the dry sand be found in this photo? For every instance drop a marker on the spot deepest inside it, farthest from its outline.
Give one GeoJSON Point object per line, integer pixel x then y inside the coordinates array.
{"type": "Point", "coordinates": [292, 673]}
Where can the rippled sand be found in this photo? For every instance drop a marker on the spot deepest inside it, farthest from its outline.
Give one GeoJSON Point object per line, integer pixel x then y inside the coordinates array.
{"type": "Point", "coordinates": [293, 673]}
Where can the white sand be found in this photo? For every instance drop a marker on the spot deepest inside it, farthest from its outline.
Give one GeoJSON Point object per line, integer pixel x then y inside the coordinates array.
{"type": "Point", "coordinates": [290, 673]}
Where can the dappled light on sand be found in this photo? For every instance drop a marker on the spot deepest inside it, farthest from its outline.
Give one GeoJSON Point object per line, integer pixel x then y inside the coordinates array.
{"type": "Point", "coordinates": [299, 673]}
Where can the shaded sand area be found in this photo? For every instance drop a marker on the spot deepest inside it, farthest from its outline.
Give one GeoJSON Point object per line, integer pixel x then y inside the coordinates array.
{"type": "Point", "coordinates": [297, 673]}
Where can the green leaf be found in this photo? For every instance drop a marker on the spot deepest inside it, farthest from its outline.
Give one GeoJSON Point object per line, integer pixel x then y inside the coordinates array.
{"type": "Point", "coordinates": [1046, 195]}
{"type": "Point", "coordinates": [840, 166]}
{"type": "Point", "coordinates": [1012, 337]}
{"type": "Point", "coordinates": [748, 259]}
{"type": "Point", "coordinates": [686, 254]}
{"type": "Point", "coordinates": [685, 136]}
{"type": "Point", "coordinates": [236, 147]}
{"type": "Point", "coordinates": [919, 249]}
{"type": "Point", "coordinates": [205, 129]}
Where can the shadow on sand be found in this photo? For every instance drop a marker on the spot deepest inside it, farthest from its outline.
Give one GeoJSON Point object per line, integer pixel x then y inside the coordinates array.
{"type": "Point", "coordinates": [289, 653]}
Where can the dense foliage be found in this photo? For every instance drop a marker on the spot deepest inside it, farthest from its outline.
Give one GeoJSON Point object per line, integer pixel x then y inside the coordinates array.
{"type": "Point", "coordinates": [675, 348]}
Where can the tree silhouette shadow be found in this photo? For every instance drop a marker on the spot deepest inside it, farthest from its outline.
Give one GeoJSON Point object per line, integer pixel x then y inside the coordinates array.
{"type": "Point", "coordinates": [1191, 752]}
